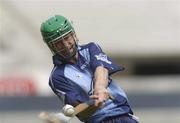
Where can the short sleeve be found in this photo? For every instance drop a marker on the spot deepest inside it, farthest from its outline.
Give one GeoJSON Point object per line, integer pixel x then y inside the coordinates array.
{"type": "Point", "coordinates": [99, 58]}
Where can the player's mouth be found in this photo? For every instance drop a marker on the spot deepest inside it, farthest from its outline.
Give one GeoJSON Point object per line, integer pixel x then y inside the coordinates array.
{"type": "Point", "coordinates": [69, 50]}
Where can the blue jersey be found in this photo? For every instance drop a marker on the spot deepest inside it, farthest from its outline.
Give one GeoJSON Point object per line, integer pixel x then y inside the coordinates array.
{"type": "Point", "coordinates": [73, 83]}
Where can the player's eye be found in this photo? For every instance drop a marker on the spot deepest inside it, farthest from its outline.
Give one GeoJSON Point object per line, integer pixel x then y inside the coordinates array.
{"type": "Point", "coordinates": [68, 36]}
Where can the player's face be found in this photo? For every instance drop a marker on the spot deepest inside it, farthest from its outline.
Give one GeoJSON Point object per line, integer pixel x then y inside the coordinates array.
{"type": "Point", "coordinates": [65, 46]}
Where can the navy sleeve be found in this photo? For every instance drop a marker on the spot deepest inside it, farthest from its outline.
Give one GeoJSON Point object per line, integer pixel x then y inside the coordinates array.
{"type": "Point", "coordinates": [67, 91]}
{"type": "Point", "coordinates": [99, 58]}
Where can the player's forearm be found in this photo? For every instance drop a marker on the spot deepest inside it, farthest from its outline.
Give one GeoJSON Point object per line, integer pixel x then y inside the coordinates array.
{"type": "Point", "coordinates": [100, 89]}
{"type": "Point", "coordinates": [101, 78]}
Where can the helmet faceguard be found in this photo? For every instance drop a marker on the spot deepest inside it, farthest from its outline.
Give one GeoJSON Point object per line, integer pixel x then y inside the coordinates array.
{"type": "Point", "coordinates": [54, 31]}
{"type": "Point", "coordinates": [57, 46]}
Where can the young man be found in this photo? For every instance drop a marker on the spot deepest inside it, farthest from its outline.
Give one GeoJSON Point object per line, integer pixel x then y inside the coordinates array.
{"type": "Point", "coordinates": [83, 72]}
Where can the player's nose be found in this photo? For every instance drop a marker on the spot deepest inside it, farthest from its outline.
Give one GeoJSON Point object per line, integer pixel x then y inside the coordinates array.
{"type": "Point", "coordinates": [67, 44]}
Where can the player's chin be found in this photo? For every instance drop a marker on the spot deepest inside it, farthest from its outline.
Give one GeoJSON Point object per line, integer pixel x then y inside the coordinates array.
{"type": "Point", "coordinates": [73, 49]}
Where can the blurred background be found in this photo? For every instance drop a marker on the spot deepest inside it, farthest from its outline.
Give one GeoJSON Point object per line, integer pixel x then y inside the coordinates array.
{"type": "Point", "coordinates": [142, 35]}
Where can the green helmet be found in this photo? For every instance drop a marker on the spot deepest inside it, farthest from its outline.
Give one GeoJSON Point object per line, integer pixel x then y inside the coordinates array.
{"type": "Point", "coordinates": [54, 28]}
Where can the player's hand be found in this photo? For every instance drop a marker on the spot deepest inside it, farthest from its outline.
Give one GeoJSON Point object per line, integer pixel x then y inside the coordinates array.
{"type": "Point", "coordinates": [100, 96]}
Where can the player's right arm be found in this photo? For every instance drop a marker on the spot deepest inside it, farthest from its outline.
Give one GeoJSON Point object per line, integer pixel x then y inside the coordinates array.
{"type": "Point", "coordinates": [102, 67]}
{"type": "Point", "coordinates": [100, 93]}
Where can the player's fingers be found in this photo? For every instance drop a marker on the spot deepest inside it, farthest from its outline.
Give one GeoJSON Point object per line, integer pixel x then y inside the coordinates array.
{"type": "Point", "coordinates": [99, 103]}
{"type": "Point", "coordinates": [94, 96]}
{"type": "Point", "coordinates": [99, 99]}
{"type": "Point", "coordinates": [104, 94]}
{"type": "Point", "coordinates": [96, 99]}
